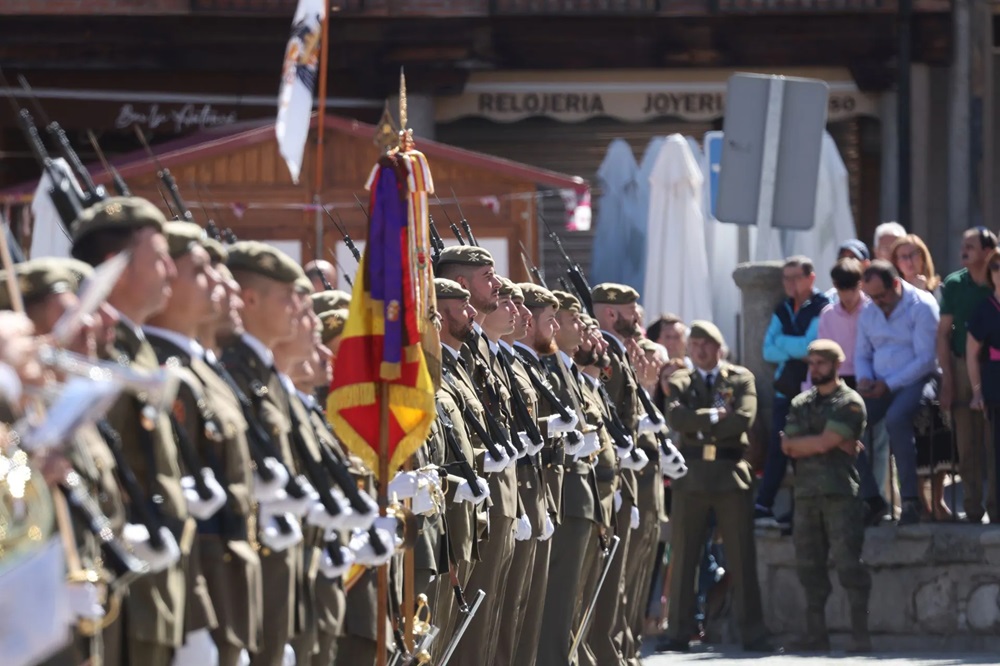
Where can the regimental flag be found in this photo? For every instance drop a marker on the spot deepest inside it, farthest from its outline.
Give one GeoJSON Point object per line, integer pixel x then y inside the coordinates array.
{"type": "Point", "coordinates": [298, 83]}
{"type": "Point", "coordinates": [388, 320]}
{"type": "Point", "coordinates": [49, 237]}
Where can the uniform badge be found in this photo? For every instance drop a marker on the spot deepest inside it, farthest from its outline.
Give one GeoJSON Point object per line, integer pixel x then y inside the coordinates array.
{"type": "Point", "coordinates": [268, 262]}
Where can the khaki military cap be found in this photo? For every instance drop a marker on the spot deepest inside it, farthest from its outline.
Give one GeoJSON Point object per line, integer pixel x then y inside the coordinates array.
{"type": "Point", "coordinates": [118, 213]}
{"type": "Point", "coordinates": [465, 255]}
{"type": "Point", "coordinates": [516, 293]}
{"type": "Point", "coordinates": [537, 297]}
{"type": "Point", "coordinates": [81, 269]}
{"type": "Point", "coordinates": [706, 330]}
{"type": "Point", "coordinates": [589, 321]}
{"type": "Point", "coordinates": [827, 349]}
{"type": "Point", "coordinates": [265, 260]}
{"type": "Point", "coordinates": [567, 301]}
{"type": "Point", "coordinates": [506, 287]}
{"type": "Point", "coordinates": [182, 236]}
{"type": "Point", "coordinates": [331, 299]}
{"type": "Point", "coordinates": [333, 323]}
{"type": "Point", "coordinates": [445, 288]}
{"type": "Point", "coordinates": [37, 279]}
{"type": "Point", "coordinates": [613, 294]}
{"type": "Point", "coordinates": [216, 250]}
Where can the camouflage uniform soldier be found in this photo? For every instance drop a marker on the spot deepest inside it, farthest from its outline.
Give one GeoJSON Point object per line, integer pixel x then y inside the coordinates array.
{"type": "Point", "coordinates": [823, 427]}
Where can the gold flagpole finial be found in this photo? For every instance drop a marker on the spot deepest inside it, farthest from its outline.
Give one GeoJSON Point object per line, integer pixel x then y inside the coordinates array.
{"type": "Point", "coordinates": [405, 134]}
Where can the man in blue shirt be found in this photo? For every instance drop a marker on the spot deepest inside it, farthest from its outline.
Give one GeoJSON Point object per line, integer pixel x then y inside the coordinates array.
{"type": "Point", "coordinates": [793, 326]}
{"type": "Point", "coordinates": [894, 357]}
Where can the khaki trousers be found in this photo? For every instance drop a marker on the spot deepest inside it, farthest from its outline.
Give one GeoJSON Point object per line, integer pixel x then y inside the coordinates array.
{"type": "Point", "coordinates": [974, 453]}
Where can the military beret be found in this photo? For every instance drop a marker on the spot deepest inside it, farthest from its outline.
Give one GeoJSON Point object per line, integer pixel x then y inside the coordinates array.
{"type": "Point", "coordinates": [506, 287]}
{"type": "Point", "coordinates": [706, 330]}
{"type": "Point", "coordinates": [118, 213]}
{"type": "Point", "coordinates": [537, 297]}
{"type": "Point", "coordinates": [333, 323]}
{"type": "Point", "coordinates": [182, 236]}
{"type": "Point", "coordinates": [37, 279]}
{"type": "Point", "coordinates": [304, 285]}
{"type": "Point", "coordinates": [589, 321]}
{"type": "Point", "coordinates": [827, 349]}
{"type": "Point", "coordinates": [445, 288]}
{"type": "Point", "coordinates": [216, 250]}
{"type": "Point", "coordinates": [568, 301]}
{"type": "Point", "coordinates": [613, 294]}
{"type": "Point", "coordinates": [265, 260]}
{"type": "Point", "coordinates": [465, 255]}
{"type": "Point", "coordinates": [81, 269]}
{"type": "Point", "coordinates": [331, 299]}
{"type": "Point", "coordinates": [515, 293]}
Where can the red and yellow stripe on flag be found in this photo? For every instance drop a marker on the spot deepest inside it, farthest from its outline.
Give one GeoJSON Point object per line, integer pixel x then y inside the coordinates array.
{"type": "Point", "coordinates": [381, 343]}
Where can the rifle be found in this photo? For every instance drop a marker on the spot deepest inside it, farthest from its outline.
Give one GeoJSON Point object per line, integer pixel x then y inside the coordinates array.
{"type": "Point", "coordinates": [116, 178]}
{"type": "Point", "coordinates": [464, 222]}
{"type": "Point", "coordinates": [92, 193]}
{"type": "Point", "coordinates": [210, 228]}
{"type": "Point", "coordinates": [573, 270]}
{"type": "Point", "coordinates": [531, 268]}
{"type": "Point", "coordinates": [182, 211]}
{"type": "Point", "coordinates": [340, 267]}
{"type": "Point", "coordinates": [451, 225]}
{"type": "Point", "coordinates": [64, 195]}
{"type": "Point", "coordinates": [464, 467]}
{"type": "Point", "coordinates": [343, 230]}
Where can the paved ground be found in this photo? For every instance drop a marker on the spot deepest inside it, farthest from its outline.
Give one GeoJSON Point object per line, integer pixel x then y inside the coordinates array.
{"type": "Point", "coordinates": [723, 657]}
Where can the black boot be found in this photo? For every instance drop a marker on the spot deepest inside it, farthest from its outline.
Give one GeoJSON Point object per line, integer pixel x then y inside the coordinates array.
{"type": "Point", "coordinates": [861, 640]}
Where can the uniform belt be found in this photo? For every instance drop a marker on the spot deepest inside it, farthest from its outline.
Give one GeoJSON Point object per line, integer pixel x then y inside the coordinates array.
{"type": "Point", "coordinates": [553, 455]}
{"type": "Point", "coordinates": [711, 452]}
{"type": "Point", "coordinates": [527, 461]}
{"type": "Point", "coordinates": [604, 474]}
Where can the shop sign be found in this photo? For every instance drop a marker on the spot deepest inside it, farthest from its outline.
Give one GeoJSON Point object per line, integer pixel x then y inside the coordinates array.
{"type": "Point", "coordinates": [155, 117]}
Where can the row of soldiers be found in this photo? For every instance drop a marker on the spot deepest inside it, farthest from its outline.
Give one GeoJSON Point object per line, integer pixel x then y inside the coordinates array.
{"type": "Point", "coordinates": [253, 513]}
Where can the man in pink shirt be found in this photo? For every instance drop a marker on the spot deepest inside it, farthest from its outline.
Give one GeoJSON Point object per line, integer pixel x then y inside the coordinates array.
{"type": "Point", "coordinates": [839, 320]}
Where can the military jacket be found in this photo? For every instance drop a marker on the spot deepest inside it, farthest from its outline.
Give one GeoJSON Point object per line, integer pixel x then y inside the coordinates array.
{"type": "Point", "coordinates": [461, 518]}
{"type": "Point", "coordinates": [159, 603]}
{"type": "Point", "coordinates": [811, 413]}
{"type": "Point", "coordinates": [622, 386]}
{"type": "Point", "coordinates": [606, 468]}
{"type": "Point", "coordinates": [720, 466]}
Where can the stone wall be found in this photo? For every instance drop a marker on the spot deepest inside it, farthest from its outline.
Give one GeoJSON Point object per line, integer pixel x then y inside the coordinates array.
{"type": "Point", "coordinates": [934, 586]}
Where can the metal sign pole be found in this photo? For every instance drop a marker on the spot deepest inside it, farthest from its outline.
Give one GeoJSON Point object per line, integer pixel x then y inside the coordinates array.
{"type": "Point", "coordinates": [769, 169]}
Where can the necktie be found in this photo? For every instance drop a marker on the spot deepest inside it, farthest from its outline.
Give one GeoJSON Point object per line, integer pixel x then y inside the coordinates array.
{"type": "Point", "coordinates": [708, 381]}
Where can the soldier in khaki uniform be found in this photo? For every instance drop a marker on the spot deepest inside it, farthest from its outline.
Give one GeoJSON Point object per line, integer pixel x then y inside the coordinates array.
{"type": "Point", "coordinates": [575, 545]}
{"type": "Point", "coordinates": [472, 268]}
{"type": "Point", "coordinates": [161, 606]}
{"type": "Point", "coordinates": [522, 599]}
{"type": "Point", "coordinates": [465, 520]}
{"type": "Point", "coordinates": [209, 412]}
{"type": "Point", "coordinates": [823, 427]}
{"type": "Point", "coordinates": [47, 288]}
{"type": "Point", "coordinates": [267, 281]}
{"type": "Point", "coordinates": [712, 408]}
{"type": "Point", "coordinates": [539, 342]}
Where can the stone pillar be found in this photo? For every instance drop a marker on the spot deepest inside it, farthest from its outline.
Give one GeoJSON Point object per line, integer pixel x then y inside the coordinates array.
{"type": "Point", "coordinates": [761, 290]}
{"type": "Point", "coordinates": [419, 114]}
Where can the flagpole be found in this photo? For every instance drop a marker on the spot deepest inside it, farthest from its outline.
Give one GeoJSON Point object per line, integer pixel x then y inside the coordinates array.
{"type": "Point", "coordinates": [324, 52]}
{"type": "Point", "coordinates": [382, 609]}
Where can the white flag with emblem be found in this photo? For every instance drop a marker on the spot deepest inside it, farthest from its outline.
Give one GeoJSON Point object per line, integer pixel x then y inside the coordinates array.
{"type": "Point", "coordinates": [299, 75]}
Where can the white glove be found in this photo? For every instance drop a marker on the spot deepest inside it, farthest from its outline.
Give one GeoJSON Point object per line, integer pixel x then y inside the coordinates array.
{"type": "Point", "coordinates": [364, 553]}
{"type": "Point", "coordinates": [299, 507]}
{"type": "Point", "coordinates": [634, 521]}
{"type": "Point", "coordinates": [288, 659]}
{"type": "Point", "coordinates": [522, 531]}
{"type": "Point", "coordinates": [674, 472]}
{"type": "Point", "coordinates": [646, 426]}
{"type": "Point", "coordinates": [548, 530]}
{"type": "Point", "coordinates": [526, 444]}
{"type": "Point", "coordinates": [203, 509]}
{"type": "Point", "coordinates": [573, 449]}
{"type": "Point", "coordinates": [637, 463]}
{"type": "Point", "coordinates": [137, 536]}
{"type": "Point", "coordinates": [672, 463]}
{"type": "Point", "coordinates": [319, 517]}
{"type": "Point", "coordinates": [354, 519]}
{"type": "Point", "coordinates": [244, 659]}
{"type": "Point", "coordinates": [464, 492]}
{"type": "Point", "coordinates": [271, 534]}
{"type": "Point", "coordinates": [591, 444]}
{"type": "Point", "coordinates": [198, 648]}
{"type": "Point", "coordinates": [268, 491]}
{"type": "Point", "coordinates": [492, 465]}
{"type": "Point", "coordinates": [618, 501]}
{"type": "Point", "coordinates": [331, 570]}
{"type": "Point", "coordinates": [404, 485]}
{"type": "Point", "coordinates": [623, 451]}
{"type": "Point", "coordinates": [535, 449]}
{"type": "Point", "coordinates": [559, 427]}
{"type": "Point", "coordinates": [83, 600]}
